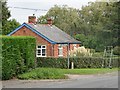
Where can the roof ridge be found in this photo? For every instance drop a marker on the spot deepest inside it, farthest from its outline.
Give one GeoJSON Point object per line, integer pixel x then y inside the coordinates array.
{"type": "Point", "coordinates": [53, 35]}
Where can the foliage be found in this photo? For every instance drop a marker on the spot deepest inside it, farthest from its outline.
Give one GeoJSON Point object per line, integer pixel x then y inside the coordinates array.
{"type": "Point", "coordinates": [56, 73]}
{"type": "Point", "coordinates": [95, 25]}
{"type": "Point", "coordinates": [0, 59]}
{"type": "Point", "coordinates": [5, 12]}
{"type": "Point", "coordinates": [101, 23]}
{"type": "Point", "coordinates": [18, 55]}
{"type": "Point", "coordinates": [7, 25]}
{"type": "Point", "coordinates": [98, 54]}
{"type": "Point", "coordinates": [43, 73]}
{"type": "Point", "coordinates": [64, 17]}
{"type": "Point", "coordinates": [0, 18]}
{"type": "Point", "coordinates": [81, 52]}
{"type": "Point", "coordinates": [79, 62]}
{"type": "Point", "coordinates": [52, 62]}
{"type": "Point", "coordinates": [116, 50]}
{"type": "Point", "coordinates": [88, 41]}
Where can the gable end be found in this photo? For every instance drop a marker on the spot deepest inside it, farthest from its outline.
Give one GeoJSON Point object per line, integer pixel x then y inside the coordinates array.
{"type": "Point", "coordinates": [32, 29]}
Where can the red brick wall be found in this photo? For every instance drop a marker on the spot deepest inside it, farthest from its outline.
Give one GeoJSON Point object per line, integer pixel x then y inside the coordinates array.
{"type": "Point", "coordinates": [52, 50]}
{"type": "Point", "coordinates": [56, 50]}
{"type": "Point", "coordinates": [26, 32]}
{"type": "Point", "coordinates": [65, 49]}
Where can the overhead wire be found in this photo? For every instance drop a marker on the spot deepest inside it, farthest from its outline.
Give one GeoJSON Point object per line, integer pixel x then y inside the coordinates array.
{"type": "Point", "coordinates": [29, 8]}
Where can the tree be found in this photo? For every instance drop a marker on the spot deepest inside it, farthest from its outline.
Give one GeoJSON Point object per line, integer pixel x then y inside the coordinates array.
{"type": "Point", "coordinates": [96, 24]}
{"type": "Point", "coordinates": [0, 18]}
{"type": "Point", "coordinates": [64, 17]}
{"type": "Point", "coordinates": [7, 25]}
{"type": "Point", "coordinates": [5, 14]}
{"type": "Point", "coordinates": [100, 20]}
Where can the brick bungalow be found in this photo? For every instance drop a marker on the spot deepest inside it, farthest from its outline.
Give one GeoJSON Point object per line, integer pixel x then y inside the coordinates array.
{"type": "Point", "coordinates": [50, 40]}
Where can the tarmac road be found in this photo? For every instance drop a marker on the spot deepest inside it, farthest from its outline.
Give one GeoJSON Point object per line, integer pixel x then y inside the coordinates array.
{"type": "Point", "coordinates": [109, 80]}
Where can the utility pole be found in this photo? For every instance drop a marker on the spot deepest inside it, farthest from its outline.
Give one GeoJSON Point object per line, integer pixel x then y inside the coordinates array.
{"type": "Point", "coordinates": [68, 56]}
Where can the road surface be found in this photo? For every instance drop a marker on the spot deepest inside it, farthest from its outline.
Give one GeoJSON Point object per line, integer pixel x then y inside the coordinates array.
{"type": "Point", "coordinates": [109, 80]}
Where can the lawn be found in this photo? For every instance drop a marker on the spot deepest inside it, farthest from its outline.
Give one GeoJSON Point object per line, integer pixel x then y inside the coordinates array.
{"type": "Point", "coordinates": [54, 73]}
{"type": "Point", "coordinates": [88, 71]}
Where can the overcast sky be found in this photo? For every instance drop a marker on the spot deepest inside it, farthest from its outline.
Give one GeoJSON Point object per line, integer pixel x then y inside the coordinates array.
{"type": "Point", "coordinates": [21, 15]}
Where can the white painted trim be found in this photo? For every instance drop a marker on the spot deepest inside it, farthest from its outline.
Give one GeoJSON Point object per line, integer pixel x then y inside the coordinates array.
{"type": "Point", "coordinates": [60, 55]}
{"type": "Point", "coordinates": [60, 48]}
{"type": "Point", "coordinates": [41, 51]}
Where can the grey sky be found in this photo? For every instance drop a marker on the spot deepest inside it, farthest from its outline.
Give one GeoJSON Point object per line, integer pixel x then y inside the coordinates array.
{"type": "Point", "coordinates": [21, 15]}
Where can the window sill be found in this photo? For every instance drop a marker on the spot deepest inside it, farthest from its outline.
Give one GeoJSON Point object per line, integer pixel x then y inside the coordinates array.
{"type": "Point", "coordinates": [60, 55]}
{"type": "Point", "coordinates": [41, 56]}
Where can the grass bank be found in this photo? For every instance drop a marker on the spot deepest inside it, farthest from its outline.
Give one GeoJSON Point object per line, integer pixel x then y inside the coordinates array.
{"type": "Point", "coordinates": [54, 73]}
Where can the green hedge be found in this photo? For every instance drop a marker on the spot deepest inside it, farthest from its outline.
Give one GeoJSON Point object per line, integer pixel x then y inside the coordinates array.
{"type": "Point", "coordinates": [52, 62]}
{"type": "Point", "coordinates": [81, 62]}
{"type": "Point", "coordinates": [18, 55]}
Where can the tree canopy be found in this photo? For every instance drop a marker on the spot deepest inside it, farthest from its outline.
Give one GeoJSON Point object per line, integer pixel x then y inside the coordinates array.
{"type": "Point", "coordinates": [96, 25]}
{"type": "Point", "coordinates": [7, 25]}
{"type": "Point", "coordinates": [64, 17]}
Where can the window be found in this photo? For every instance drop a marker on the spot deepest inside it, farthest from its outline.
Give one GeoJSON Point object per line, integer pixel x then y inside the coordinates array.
{"type": "Point", "coordinates": [74, 46]}
{"type": "Point", "coordinates": [41, 51]}
{"type": "Point", "coordinates": [60, 50]}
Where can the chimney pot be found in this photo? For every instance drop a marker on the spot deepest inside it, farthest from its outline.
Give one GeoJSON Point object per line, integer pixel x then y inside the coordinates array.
{"type": "Point", "coordinates": [32, 19]}
{"type": "Point", "coordinates": [49, 21]}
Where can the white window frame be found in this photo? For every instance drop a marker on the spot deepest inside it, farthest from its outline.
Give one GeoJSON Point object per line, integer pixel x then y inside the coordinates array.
{"type": "Point", "coordinates": [60, 47]}
{"type": "Point", "coordinates": [41, 51]}
{"type": "Point", "coordinates": [75, 46]}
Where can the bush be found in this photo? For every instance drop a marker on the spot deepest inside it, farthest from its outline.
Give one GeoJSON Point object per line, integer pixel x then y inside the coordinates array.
{"type": "Point", "coordinates": [43, 73]}
{"type": "Point", "coordinates": [18, 55]}
{"type": "Point", "coordinates": [116, 50]}
{"type": "Point", "coordinates": [81, 52]}
{"type": "Point", "coordinates": [81, 62]}
{"type": "Point", "coordinates": [52, 62]}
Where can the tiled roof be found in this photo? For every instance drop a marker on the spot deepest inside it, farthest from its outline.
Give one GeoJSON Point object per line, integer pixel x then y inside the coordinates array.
{"type": "Point", "coordinates": [51, 33]}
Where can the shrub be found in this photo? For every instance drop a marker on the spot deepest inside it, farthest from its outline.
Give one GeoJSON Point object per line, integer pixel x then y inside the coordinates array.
{"type": "Point", "coordinates": [116, 50]}
{"type": "Point", "coordinates": [79, 62]}
{"type": "Point", "coordinates": [52, 62]}
{"type": "Point", "coordinates": [81, 51]}
{"type": "Point", "coordinates": [18, 55]}
{"type": "Point", "coordinates": [43, 73]}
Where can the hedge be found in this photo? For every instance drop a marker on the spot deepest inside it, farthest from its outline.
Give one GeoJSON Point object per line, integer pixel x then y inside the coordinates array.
{"type": "Point", "coordinates": [52, 62]}
{"type": "Point", "coordinates": [18, 55]}
{"type": "Point", "coordinates": [81, 62]}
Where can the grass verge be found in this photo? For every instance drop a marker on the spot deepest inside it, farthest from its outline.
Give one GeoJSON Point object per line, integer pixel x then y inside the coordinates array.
{"type": "Point", "coordinates": [86, 71]}
{"type": "Point", "coordinates": [54, 73]}
{"type": "Point", "coordinates": [43, 73]}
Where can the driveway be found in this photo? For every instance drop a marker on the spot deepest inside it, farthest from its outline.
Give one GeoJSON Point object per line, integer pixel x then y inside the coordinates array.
{"type": "Point", "coordinates": [109, 80]}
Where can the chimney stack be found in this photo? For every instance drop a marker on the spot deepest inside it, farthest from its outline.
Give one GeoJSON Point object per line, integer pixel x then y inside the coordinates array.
{"type": "Point", "coordinates": [32, 19]}
{"type": "Point", "coordinates": [49, 21]}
